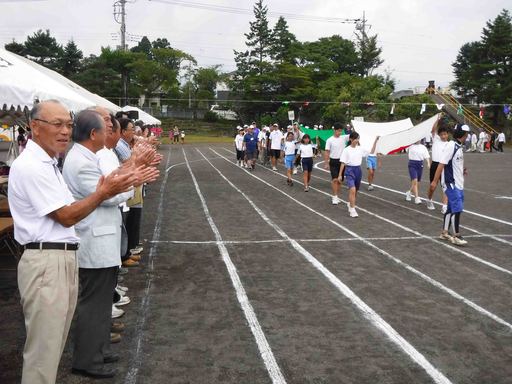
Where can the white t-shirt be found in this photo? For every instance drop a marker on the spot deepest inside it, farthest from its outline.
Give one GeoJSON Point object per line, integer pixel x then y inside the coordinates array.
{"type": "Point", "coordinates": [276, 137]}
{"type": "Point", "coordinates": [297, 136]}
{"type": "Point", "coordinates": [501, 137]}
{"type": "Point", "coordinates": [306, 150]}
{"type": "Point", "coordinates": [239, 142]}
{"type": "Point", "coordinates": [482, 136]}
{"type": "Point", "coordinates": [336, 145]}
{"type": "Point", "coordinates": [418, 152]}
{"type": "Point", "coordinates": [289, 148]}
{"type": "Point", "coordinates": [453, 172]}
{"type": "Point", "coordinates": [37, 188]}
{"type": "Point", "coordinates": [353, 156]}
{"type": "Point", "coordinates": [437, 148]}
{"type": "Point", "coordinates": [473, 138]}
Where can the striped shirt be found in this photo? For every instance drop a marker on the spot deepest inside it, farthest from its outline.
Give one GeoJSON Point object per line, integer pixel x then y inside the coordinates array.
{"type": "Point", "coordinates": [123, 150]}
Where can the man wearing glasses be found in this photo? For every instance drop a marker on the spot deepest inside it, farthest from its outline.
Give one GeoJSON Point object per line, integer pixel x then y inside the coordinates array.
{"type": "Point", "coordinates": [44, 214]}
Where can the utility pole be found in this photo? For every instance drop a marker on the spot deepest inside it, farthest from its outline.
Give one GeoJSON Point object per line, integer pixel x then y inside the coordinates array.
{"type": "Point", "coordinates": [120, 18]}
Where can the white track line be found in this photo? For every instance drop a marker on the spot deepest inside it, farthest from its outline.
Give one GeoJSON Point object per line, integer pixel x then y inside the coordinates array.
{"type": "Point", "coordinates": [425, 277]}
{"type": "Point", "coordinates": [265, 351]}
{"type": "Point", "coordinates": [366, 311]}
{"type": "Point", "coordinates": [407, 229]}
{"type": "Point", "coordinates": [494, 237]}
{"type": "Point", "coordinates": [131, 375]}
{"type": "Point", "coordinates": [465, 210]}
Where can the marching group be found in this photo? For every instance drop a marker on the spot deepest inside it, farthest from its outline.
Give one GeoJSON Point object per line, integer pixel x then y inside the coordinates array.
{"type": "Point", "coordinates": [77, 227]}
{"type": "Point", "coordinates": [343, 157]}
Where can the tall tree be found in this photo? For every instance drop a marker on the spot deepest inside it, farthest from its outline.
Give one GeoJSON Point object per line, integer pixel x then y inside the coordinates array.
{"type": "Point", "coordinates": [69, 61]}
{"type": "Point", "coordinates": [369, 53]}
{"type": "Point", "coordinates": [43, 49]}
{"type": "Point", "coordinates": [143, 46]}
{"type": "Point", "coordinates": [283, 48]}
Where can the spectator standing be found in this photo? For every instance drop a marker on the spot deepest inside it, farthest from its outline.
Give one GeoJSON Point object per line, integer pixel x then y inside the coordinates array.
{"type": "Point", "coordinates": [501, 141]}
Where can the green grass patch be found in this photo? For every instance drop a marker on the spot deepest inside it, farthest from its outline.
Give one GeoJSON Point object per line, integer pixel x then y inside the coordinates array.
{"type": "Point", "coordinates": [199, 139]}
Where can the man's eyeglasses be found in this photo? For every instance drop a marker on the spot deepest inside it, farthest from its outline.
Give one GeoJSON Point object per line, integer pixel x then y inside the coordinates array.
{"type": "Point", "coordinates": [58, 124]}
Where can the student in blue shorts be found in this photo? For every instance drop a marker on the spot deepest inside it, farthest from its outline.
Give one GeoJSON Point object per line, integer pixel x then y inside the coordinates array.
{"type": "Point", "coordinates": [289, 156]}
{"type": "Point", "coordinates": [305, 152]}
{"type": "Point", "coordinates": [351, 160]}
{"type": "Point", "coordinates": [250, 146]}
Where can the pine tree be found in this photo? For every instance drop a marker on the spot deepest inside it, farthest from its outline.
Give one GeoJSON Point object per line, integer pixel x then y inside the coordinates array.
{"type": "Point", "coordinates": [283, 43]}
{"type": "Point", "coordinates": [369, 53]}
{"type": "Point", "coordinates": [69, 61]}
{"type": "Point", "coordinates": [15, 47]}
{"type": "Point", "coordinates": [43, 49]}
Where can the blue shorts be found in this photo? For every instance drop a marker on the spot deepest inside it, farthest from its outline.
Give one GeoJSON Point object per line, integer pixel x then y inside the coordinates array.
{"type": "Point", "coordinates": [353, 176]}
{"type": "Point", "coordinates": [415, 169]}
{"type": "Point", "coordinates": [288, 161]}
{"type": "Point", "coordinates": [371, 162]}
{"type": "Point", "coordinates": [307, 164]}
{"type": "Point", "coordinates": [455, 199]}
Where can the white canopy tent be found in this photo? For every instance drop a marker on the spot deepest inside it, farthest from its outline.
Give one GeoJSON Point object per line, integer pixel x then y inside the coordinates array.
{"type": "Point", "coordinates": [22, 82]}
{"type": "Point", "coordinates": [146, 118]}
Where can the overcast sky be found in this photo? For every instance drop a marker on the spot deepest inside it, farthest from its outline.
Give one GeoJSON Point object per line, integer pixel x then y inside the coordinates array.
{"type": "Point", "coordinates": [420, 38]}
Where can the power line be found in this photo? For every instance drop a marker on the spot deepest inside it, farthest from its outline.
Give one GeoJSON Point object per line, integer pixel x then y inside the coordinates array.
{"type": "Point", "coordinates": [242, 11]}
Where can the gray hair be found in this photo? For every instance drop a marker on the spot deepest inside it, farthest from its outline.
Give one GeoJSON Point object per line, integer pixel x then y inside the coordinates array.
{"type": "Point", "coordinates": [85, 122]}
{"type": "Point", "coordinates": [35, 113]}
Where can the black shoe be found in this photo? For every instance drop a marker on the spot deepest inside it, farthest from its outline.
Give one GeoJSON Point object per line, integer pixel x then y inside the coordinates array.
{"type": "Point", "coordinates": [102, 373]}
{"type": "Point", "coordinates": [111, 358]}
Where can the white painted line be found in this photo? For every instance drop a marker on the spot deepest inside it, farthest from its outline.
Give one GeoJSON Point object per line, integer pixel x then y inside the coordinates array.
{"type": "Point", "coordinates": [465, 210]}
{"type": "Point", "coordinates": [372, 316]}
{"type": "Point", "coordinates": [265, 351]}
{"type": "Point", "coordinates": [494, 237]}
{"type": "Point", "coordinates": [136, 360]}
{"type": "Point", "coordinates": [504, 197]}
{"type": "Point", "coordinates": [425, 277]}
{"type": "Point", "coordinates": [407, 229]}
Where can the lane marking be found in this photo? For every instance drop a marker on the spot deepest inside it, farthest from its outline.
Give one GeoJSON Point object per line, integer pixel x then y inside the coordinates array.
{"type": "Point", "coordinates": [504, 197]}
{"type": "Point", "coordinates": [182, 163]}
{"type": "Point", "coordinates": [263, 346]}
{"type": "Point", "coordinates": [365, 310]}
{"type": "Point", "coordinates": [435, 202]}
{"type": "Point", "coordinates": [425, 277]}
{"type": "Point", "coordinates": [136, 361]}
{"type": "Point", "coordinates": [494, 237]}
{"type": "Point", "coordinates": [407, 229]}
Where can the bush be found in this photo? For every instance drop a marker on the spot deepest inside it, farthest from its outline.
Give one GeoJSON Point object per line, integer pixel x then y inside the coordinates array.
{"type": "Point", "coordinates": [211, 117]}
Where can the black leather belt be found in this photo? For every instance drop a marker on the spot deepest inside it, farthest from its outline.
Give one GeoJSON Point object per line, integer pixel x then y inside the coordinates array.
{"type": "Point", "coordinates": [60, 246]}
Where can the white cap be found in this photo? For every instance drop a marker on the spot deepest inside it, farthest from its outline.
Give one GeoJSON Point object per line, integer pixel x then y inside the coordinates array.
{"type": "Point", "coordinates": [465, 128]}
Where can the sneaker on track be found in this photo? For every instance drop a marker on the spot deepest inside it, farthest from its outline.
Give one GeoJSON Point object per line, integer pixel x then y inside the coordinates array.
{"type": "Point", "coordinates": [353, 212]}
{"type": "Point", "coordinates": [445, 236]}
{"type": "Point", "coordinates": [370, 187]}
{"type": "Point", "coordinates": [430, 205]}
{"type": "Point", "coordinates": [274, 168]}
{"type": "Point", "coordinates": [334, 200]}
{"type": "Point", "coordinates": [294, 171]}
{"type": "Point", "coordinates": [417, 200]}
{"type": "Point", "coordinates": [116, 312]}
{"type": "Point", "coordinates": [458, 240]}
{"type": "Point", "coordinates": [408, 196]}
{"type": "Point", "coordinates": [306, 189]}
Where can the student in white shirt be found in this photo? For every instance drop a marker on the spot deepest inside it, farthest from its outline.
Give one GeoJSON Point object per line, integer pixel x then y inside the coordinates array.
{"type": "Point", "coordinates": [482, 137]}
{"type": "Point", "coordinates": [305, 152]}
{"type": "Point", "coordinates": [334, 147]}
{"type": "Point", "coordinates": [474, 141]}
{"type": "Point", "coordinates": [440, 140]}
{"type": "Point", "coordinates": [276, 139]}
{"type": "Point", "coordinates": [239, 144]}
{"type": "Point", "coordinates": [289, 156]}
{"type": "Point", "coordinates": [501, 141]}
{"type": "Point", "coordinates": [417, 154]}
{"type": "Point", "coordinates": [351, 160]}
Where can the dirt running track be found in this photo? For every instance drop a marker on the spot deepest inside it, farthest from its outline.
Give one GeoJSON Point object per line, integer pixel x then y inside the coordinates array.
{"type": "Point", "coordinates": [248, 280]}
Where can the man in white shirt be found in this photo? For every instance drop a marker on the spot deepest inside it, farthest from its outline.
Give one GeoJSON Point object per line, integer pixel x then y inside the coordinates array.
{"type": "Point", "coordinates": [440, 140]}
{"type": "Point", "coordinates": [276, 140]}
{"type": "Point", "coordinates": [474, 141]}
{"type": "Point", "coordinates": [482, 138]}
{"type": "Point", "coordinates": [334, 147]}
{"type": "Point", "coordinates": [44, 214]}
{"type": "Point", "coordinates": [501, 141]}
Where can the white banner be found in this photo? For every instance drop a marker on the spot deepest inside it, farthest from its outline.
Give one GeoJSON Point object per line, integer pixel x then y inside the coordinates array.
{"type": "Point", "coordinates": [369, 131]}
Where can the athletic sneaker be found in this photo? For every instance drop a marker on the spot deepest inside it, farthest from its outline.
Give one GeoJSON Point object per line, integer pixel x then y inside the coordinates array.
{"type": "Point", "coordinates": [458, 240]}
{"type": "Point", "coordinates": [353, 212]}
{"type": "Point", "coordinates": [408, 196]}
{"type": "Point", "coordinates": [123, 301]}
{"type": "Point", "coordinates": [445, 236]}
{"type": "Point", "coordinates": [370, 187]}
{"type": "Point", "coordinates": [335, 200]}
{"type": "Point", "coordinates": [116, 312]}
{"type": "Point", "coordinates": [430, 205]}
{"type": "Point", "coordinates": [306, 189]}
{"type": "Point", "coordinates": [417, 200]}
{"type": "Point", "coordinates": [120, 292]}
{"type": "Point", "coordinates": [444, 208]}
{"type": "Point", "coordinates": [122, 288]}
{"type": "Point", "coordinates": [294, 171]}
{"type": "Point", "coordinates": [274, 168]}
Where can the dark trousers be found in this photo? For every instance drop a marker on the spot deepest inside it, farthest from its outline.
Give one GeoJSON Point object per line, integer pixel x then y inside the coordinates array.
{"type": "Point", "coordinates": [500, 146]}
{"type": "Point", "coordinates": [94, 311]}
{"type": "Point", "coordinates": [133, 221]}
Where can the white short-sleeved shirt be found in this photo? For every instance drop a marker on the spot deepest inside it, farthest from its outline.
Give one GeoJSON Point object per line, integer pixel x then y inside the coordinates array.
{"type": "Point", "coordinates": [276, 137]}
{"type": "Point", "coordinates": [305, 150]}
{"type": "Point", "coordinates": [438, 148]}
{"type": "Point", "coordinates": [501, 137]}
{"type": "Point", "coordinates": [473, 138]}
{"type": "Point", "coordinates": [108, 163]}
{"type": "Point", "coordinates": [353, 156]}
{"type": "Point", "coordinates": [336, 145]}
{"type": "Point", "coordinates": [418, 152]}
{"type": "Point", "coordinates": [37, 188]}
{"type": "Point", "coordinates": [289, 148]}
{"type": "Point", "coordinates": [239, 142]}
{"type": "Point", "coordinates": [482, 136]}
{"type": "Point", "coordinates": [453, 172]}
